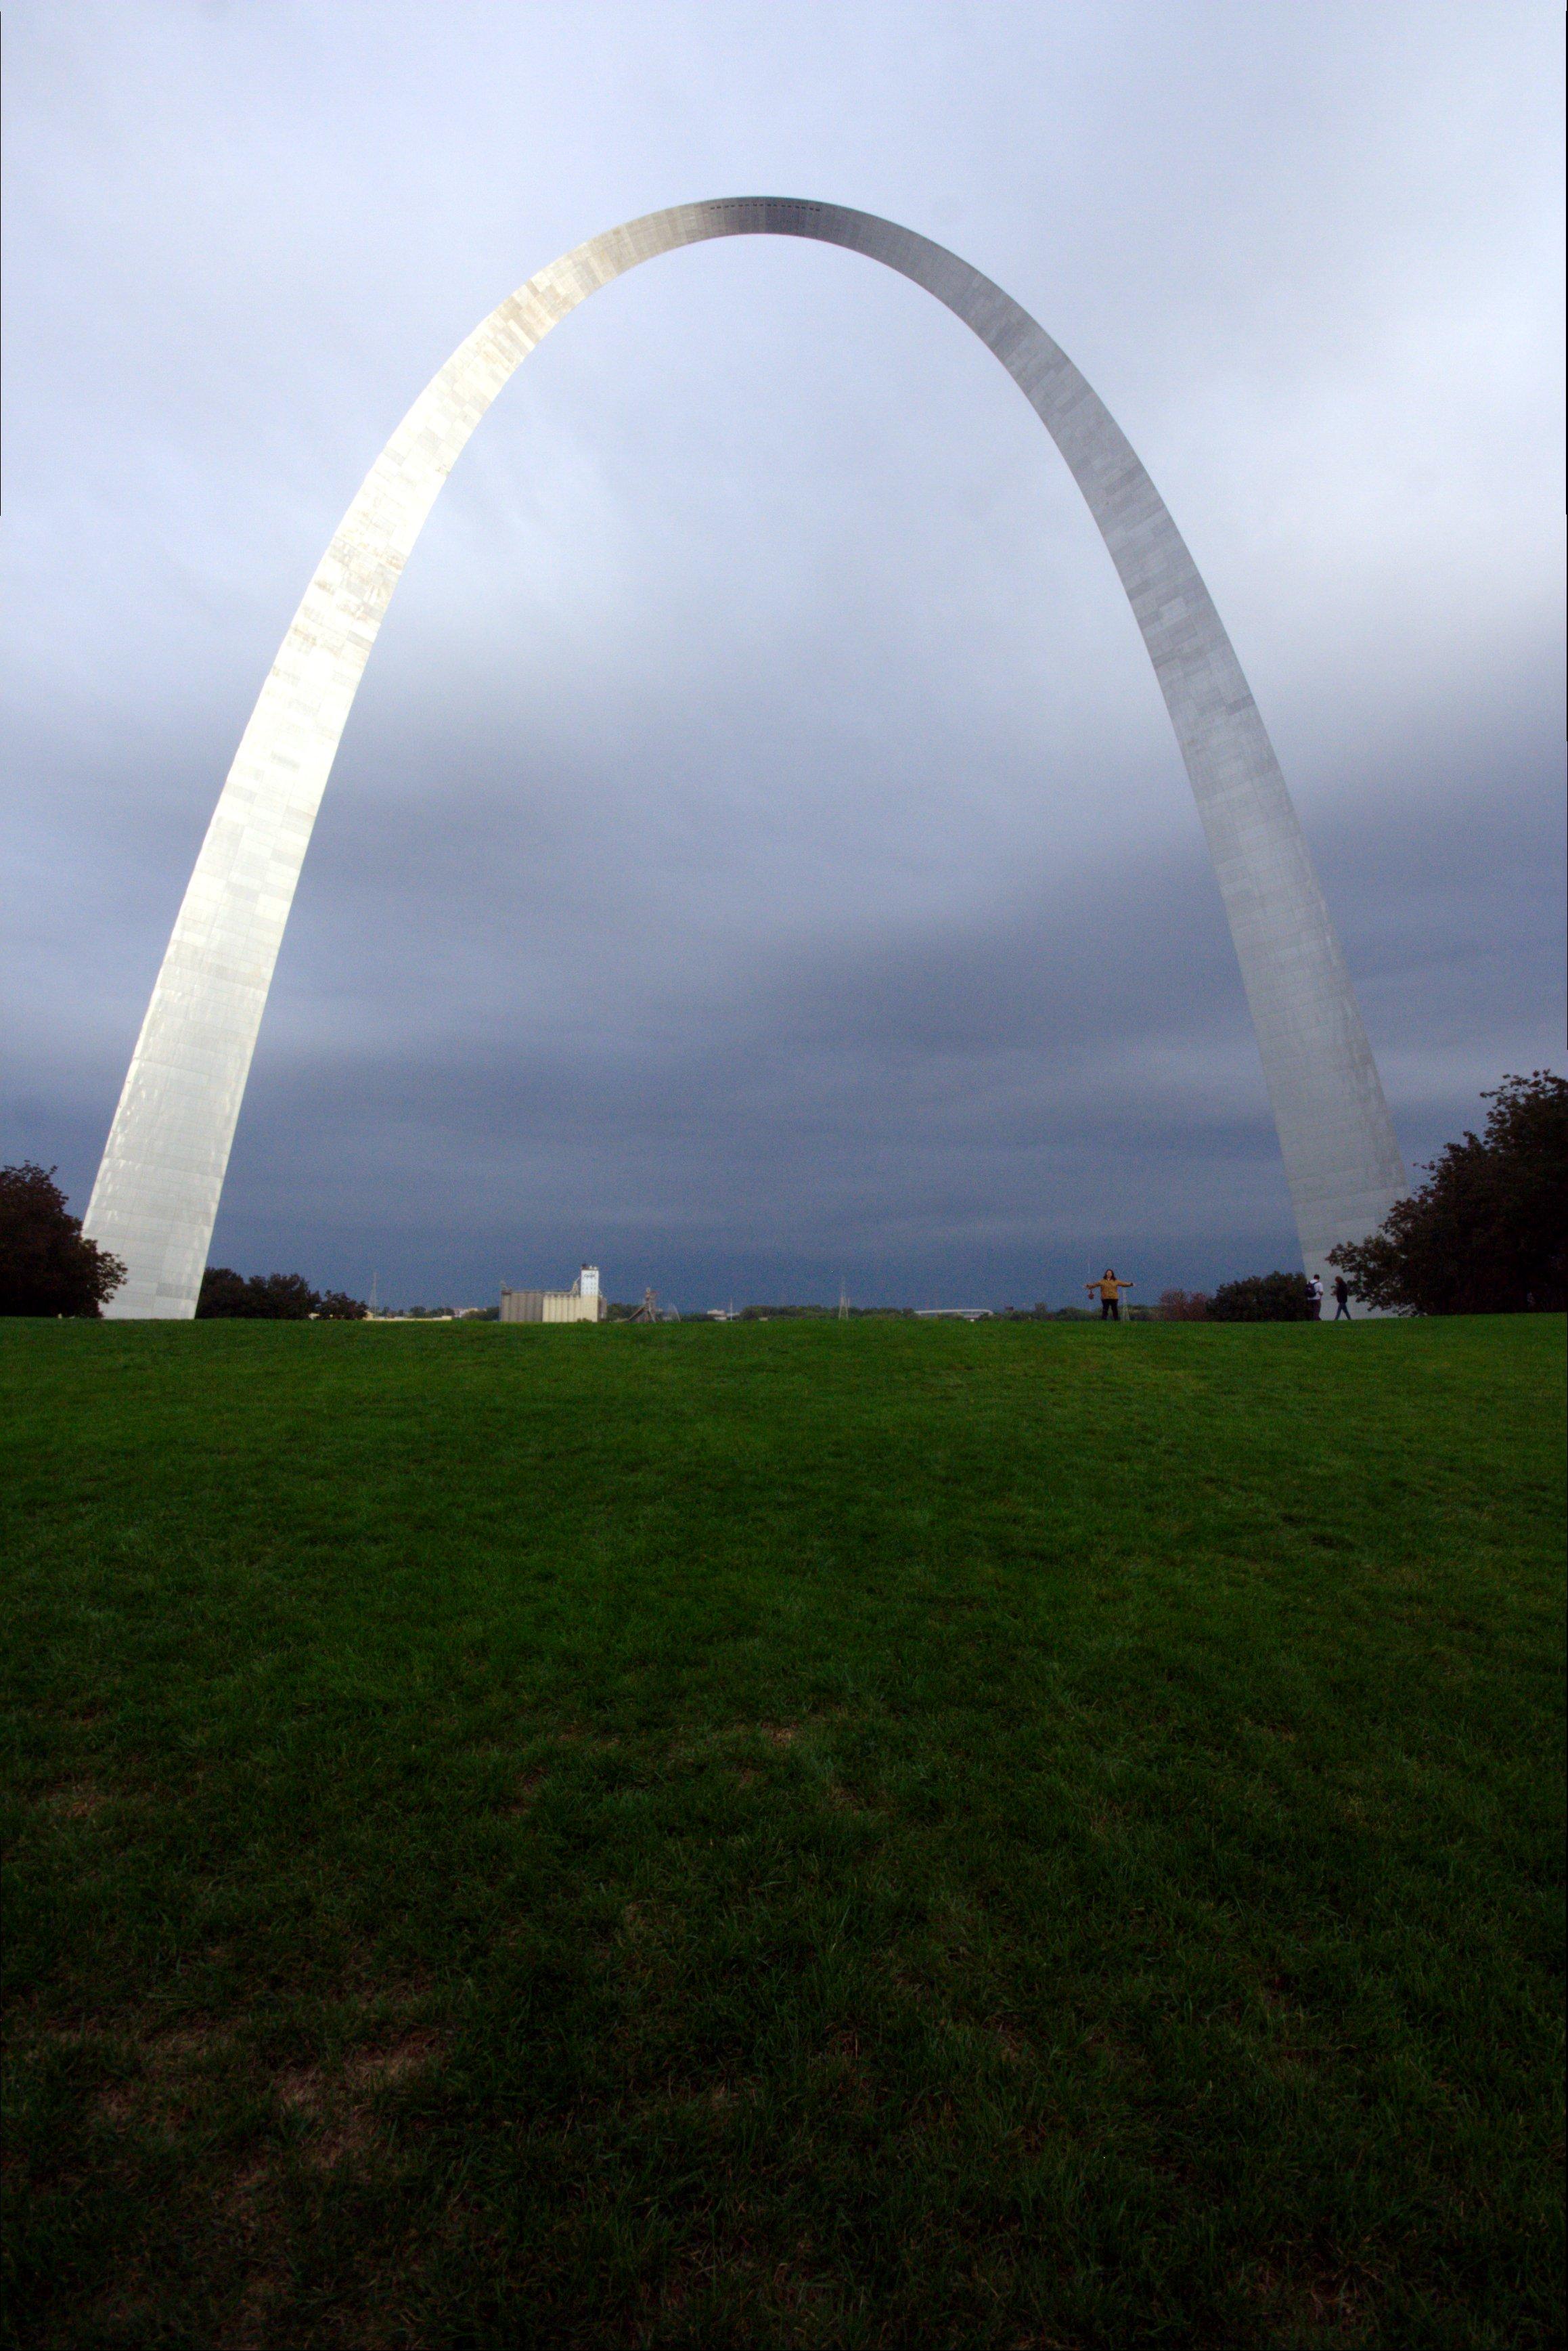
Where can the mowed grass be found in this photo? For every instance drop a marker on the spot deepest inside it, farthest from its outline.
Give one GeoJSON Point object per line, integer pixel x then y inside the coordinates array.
{"type": "Point", "coordinates": [799, 1834]}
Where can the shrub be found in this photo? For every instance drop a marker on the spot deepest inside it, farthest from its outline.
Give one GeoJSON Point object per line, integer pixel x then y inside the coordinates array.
{"type": "Point", "coordinates": [45, 1266]}
{"type": "Point", "coordinates": [1182, 1306]}
{"type": "Point", "coordinates": [1486, 1235]}
{"type": "Point", "coordinates": [1263, 1298]}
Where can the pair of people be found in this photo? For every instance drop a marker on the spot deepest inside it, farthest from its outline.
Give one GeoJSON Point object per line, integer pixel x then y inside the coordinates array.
{"type": "Point", "coordinates": [1341, 1299]}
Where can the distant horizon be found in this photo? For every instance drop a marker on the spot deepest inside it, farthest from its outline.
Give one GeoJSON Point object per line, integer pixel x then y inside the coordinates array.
{"type": "Point", "coordinates": [1056, 1292]}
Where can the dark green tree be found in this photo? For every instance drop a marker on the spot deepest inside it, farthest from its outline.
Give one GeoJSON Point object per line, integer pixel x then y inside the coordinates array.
{"type": "Point", "coordinates": [1261, 1298]}
{"type": "Point", "coordinates": [45, 1266]}
{"type": "Point", "coordinates": [1488, 1234]}
{"type": "Point", "coordinates": [337, 1306]}
{"type": "Point", "coordinates": [284, 1297]}
{"type": "Point", "coordinates": [223, 1293]}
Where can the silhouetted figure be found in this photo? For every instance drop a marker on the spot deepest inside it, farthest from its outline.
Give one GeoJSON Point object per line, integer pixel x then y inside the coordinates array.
{"type": "Point", "coordinates": [1341, 1299]}
{"type": "Point", "coordinates": [1110, 1291]}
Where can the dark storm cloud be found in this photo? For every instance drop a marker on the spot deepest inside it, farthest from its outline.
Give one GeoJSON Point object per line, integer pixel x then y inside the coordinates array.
{"type": "Point", "coordinates": [759, 856]}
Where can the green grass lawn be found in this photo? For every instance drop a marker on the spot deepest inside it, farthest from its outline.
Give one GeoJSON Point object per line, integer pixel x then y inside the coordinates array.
{"type": "Point", "coordinates": [795, 1833]}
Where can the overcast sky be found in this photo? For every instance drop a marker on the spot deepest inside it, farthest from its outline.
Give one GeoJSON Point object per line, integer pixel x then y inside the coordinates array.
{"type": "Point", "coordinates": [759, 856]}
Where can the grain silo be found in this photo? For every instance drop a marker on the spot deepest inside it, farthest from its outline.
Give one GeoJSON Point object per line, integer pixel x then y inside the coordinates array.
{"type": "Point", "coordinates": [581, 1303]}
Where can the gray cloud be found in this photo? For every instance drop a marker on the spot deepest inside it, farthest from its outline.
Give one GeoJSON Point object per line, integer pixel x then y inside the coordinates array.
{"type": "Point", "coordinates": [758, 854]}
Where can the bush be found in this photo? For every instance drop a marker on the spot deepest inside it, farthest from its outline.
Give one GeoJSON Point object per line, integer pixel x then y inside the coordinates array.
{"type": "Point", "coordinates": [1182, 1306]}
{"type": "Point", "coordinates": [1263, 1298]}
{"type": "Point", "coordinates": [45, 1266]}
{"type": "Point", "coordinates": [1486, 1235]}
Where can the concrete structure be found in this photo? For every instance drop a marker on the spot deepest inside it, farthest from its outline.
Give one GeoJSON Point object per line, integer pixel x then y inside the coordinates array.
{"type": "Point", "coordinates": [158, 1188]}
{"type": "Point", "coordinates": [581, 1303]}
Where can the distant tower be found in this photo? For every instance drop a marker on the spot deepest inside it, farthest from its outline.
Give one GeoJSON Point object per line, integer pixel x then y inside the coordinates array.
{"type": "Point", "coordinates": [843, 1303]}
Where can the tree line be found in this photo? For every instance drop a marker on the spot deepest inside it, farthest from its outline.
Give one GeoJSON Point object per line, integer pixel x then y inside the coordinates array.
{"type": "Point", "coordinates": [227, 1296]}
{"type": "Point", "coordinates": [47, 1266]}
{"type": "Point", "coordinates": [1256, 1298]}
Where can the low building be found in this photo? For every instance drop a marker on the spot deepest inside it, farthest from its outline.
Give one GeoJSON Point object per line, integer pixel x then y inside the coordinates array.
{"type": "Point", "coordinates": [581, 1303]}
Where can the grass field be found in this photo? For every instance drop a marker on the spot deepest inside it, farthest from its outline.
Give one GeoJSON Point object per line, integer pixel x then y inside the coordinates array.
{"type": "Point", "coordinates": [857, 1834]}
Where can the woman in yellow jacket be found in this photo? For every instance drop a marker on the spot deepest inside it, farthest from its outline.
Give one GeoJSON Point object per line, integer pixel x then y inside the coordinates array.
{"type": "Point", "coordinates": [1110, 1291]}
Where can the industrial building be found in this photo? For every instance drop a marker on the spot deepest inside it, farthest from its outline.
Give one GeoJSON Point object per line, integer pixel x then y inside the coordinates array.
{"type": "Point", "coordinates": [581, 1303]}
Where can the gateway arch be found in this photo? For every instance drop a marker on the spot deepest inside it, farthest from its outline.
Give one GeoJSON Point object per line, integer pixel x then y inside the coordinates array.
{"type": "Point", "coordinates": [156, 1192]}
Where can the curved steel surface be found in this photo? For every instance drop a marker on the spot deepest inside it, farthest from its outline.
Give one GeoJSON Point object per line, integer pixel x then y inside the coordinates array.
{"type": "Point", "coordinates": [157, 1192]}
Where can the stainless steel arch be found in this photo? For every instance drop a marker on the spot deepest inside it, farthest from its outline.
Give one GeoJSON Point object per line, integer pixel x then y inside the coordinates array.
{"type": "Point", "coordinates": [157, 1192]}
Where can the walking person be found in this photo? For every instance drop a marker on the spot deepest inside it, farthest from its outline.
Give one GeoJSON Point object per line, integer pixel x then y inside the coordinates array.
{"type": "Point", "coordinates": [1110, 1290]}
{"type": "Point", "coordinates": [1341, 1299]}
{"type": "Point", "coordinates": [1314, 1300]}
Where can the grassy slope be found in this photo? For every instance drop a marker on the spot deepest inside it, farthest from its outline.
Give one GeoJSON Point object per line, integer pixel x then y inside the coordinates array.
{"type": "Point", "coordinates": [800, 1834]}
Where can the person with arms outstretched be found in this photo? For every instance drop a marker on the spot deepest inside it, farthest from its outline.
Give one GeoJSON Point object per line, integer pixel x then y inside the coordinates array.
{"type": "Point", "coordinates": [1110, 1290]}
